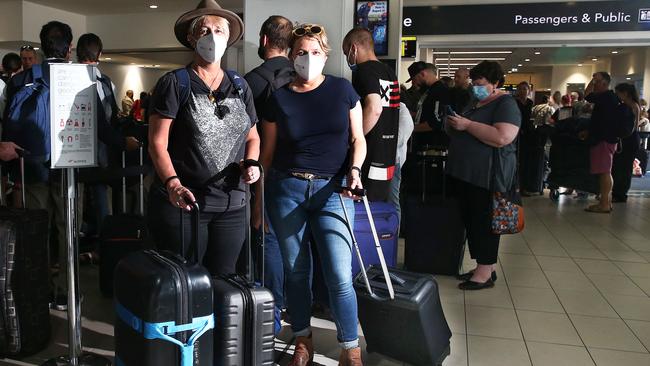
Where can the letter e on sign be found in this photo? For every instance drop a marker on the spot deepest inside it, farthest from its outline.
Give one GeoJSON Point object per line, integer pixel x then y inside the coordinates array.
{"type": "Point", "coordinates": [408, 22]}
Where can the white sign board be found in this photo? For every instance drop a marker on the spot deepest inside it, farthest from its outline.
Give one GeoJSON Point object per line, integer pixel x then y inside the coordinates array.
{"type": "Point", "coordinates": [73, 115]}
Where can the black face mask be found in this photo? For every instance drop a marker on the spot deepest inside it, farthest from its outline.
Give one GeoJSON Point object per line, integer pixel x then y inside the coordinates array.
{"type": "Point", "coordinates": [261, 51]}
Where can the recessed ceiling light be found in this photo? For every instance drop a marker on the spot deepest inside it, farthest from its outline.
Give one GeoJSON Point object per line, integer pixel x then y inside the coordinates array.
{"type": "Point", "coordinates": [107, 58]}
{"type": "Point", "coordinates": [444, 64]}
{"type": "Point", "coordinates": [527, 60]}
{"type": "Point", "coordinates": [156, 65]}
{"type": "Point", "coordinates": [548, 89]}
{"type": "Point", "coordinates": [509, 72]}
{"type": "Point", "coordinates": [580, 65]}
{"type": "Point", "coordinates": [594, 59]}
{"type": "Point", "coordinates": [152, 6]}
{"type": "Point", "coordinates": [614, 52]}
{"type": "Point", "coordinates": [538, 53]}
{"type": "Point", "coordinates": [628, 78]}
{"type": "Point", "coordinates": [520, 65]}
{"type": "Point", "coordinates": [470, 52]}
{"type": "Point", "coordinates": [36, 48]}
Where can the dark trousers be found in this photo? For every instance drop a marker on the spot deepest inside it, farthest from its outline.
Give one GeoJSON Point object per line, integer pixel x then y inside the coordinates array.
{"type": "Point", "coordinates": [221, 234]}
{"type": "Point", "coordinates": [476, 212]}
{"type": "Point", "coordinates": [622, 166]}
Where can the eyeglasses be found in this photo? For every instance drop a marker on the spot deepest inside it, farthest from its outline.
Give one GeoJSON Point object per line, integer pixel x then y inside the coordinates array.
{"type": "Point", "coordinates": [26, 47]}
{"type": "Point", "coordinates": [304, 30]}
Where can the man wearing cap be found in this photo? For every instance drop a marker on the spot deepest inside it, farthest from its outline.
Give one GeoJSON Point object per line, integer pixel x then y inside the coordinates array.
{"type": "Point", "coordinates": [202, 126]}
{"type": "Point", "coordinates": [433, 101]}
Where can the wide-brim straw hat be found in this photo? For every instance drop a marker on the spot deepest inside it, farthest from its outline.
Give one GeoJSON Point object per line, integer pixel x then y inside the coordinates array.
{"type": "Point", "coordinates": [208, 7]}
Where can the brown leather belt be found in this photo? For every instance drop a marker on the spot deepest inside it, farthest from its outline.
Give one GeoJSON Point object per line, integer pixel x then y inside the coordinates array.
{"type": "Point", "coordinates": [307, 176]}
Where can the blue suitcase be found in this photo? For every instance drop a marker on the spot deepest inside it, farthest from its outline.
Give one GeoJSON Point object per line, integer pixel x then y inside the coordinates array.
{"type": "Point", "coordinates": [386, 224]}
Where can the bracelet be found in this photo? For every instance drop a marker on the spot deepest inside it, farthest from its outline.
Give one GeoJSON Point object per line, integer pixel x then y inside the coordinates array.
{"type": "Point", "coordinates": [355, 168]}
{"type": "Point", "coordinates": [170, 179]}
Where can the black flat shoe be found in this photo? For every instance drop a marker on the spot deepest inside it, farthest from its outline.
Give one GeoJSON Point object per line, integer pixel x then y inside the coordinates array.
{"type": "Point", "coordinates": [468, 276]}
{"type": "Point", "coordinates": [471, 285]}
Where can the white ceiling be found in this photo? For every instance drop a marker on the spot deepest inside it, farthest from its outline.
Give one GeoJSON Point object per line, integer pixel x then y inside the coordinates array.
{"type": "Point", "coordinates": [95, 7]}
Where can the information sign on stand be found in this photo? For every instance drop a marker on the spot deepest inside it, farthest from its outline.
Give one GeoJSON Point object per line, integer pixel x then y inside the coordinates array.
{"type": "Point", "coordinates": [73, 124]}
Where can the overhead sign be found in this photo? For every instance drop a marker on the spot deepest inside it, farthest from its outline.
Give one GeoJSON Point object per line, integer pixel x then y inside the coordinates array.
{"type": "Point", "coordinates": [592, 16]}
{"type": "Point", "coordinates": [73, 115]}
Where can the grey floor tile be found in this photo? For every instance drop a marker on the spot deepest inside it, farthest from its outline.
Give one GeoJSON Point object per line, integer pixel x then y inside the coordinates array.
{"type": "Point", "coordinates": [535, 299]}
{"type": "Point", "coordinates": [606, 333]}
{"type": "Point", "coordinates": [492, 322]}
{"type": "Point", "coordinates": [616, 285]}
{"type": "Point", "coordinates": [484, 351]}
{"type": "Point", "coordinates": [548, 328]}
{"type": "Point", "coordinates": [544, 354]}
{"type": "Point", "coordinates": [589, 303]}
{"type": "Point", "coordinates": [605, 357]}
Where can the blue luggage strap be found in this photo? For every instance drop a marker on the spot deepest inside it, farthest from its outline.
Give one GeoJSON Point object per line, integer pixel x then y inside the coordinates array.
{"type": "Point", "coordinates": [165, 330]}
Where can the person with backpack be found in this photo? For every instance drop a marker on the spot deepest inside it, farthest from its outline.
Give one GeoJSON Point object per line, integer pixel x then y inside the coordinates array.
{"type": "Point", "coordinates": [624, 160]}
{"type": "Point", "coordinates": [201, 127]}
{"type": "Point", "coordinates": [601, 134]}
{"type": "Point", "coordinates": [274, 73]}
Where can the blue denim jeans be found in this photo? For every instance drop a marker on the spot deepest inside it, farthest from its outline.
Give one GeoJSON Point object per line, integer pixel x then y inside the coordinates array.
{"type": "Point", "coordinates": [273, 272]}
{"type": "Point", "coordinates": [301, 210]}
{"type": "Point", "coordinates": [393, 195]}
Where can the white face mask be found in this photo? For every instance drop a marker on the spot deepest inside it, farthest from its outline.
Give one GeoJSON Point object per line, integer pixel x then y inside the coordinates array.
{"type": "Point", "coordinates": [211, 47]}
{"type": "Point", "coordinates": [309, 66]}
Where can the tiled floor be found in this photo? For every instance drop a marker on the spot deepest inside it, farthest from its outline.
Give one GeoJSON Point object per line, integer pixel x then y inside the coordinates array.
{"type": "Point", "coordinates": [573, 290]}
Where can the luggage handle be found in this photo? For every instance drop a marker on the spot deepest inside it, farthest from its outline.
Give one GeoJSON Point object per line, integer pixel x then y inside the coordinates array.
{"type": "Point", "coordinates": [247, 163]}
{"type": "Point", "coordinates": [380, 252]}
{"type": "Point", "coordinates": [194, 250]}
{"type": "Point", "coordinates": [21, 156]}
{"type": "Point", "coordinates": [141, 184]}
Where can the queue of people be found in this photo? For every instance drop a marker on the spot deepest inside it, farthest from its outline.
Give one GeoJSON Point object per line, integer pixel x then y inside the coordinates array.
{"type": "Point", "coordinates": [313, 133]}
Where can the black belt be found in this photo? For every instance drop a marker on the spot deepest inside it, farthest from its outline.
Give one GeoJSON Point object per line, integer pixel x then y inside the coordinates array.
{"type": "Point", "coordinates": [308, 176]}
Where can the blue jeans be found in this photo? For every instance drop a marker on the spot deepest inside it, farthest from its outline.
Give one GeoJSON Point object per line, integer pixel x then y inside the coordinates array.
{"type": "Point", "coordinates": [302, 209]}
{"type": "Point", "coordinates": [273, 272]}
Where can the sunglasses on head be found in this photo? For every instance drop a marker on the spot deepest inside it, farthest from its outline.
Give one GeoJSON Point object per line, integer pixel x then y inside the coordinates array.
{"type": "Point", "coordinates": [307, 29]}
{"type": "Point", "coordinates": [26, 47]}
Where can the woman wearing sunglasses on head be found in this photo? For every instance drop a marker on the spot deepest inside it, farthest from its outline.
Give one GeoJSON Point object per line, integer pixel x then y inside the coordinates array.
{"type": "Point", "coordinates": [313, 143]}
{"type": "Point", "coordinates": [200, 130]}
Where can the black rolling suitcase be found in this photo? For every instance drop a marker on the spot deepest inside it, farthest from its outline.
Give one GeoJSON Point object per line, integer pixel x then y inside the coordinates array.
{"type": "Point", "coordinates": [164, 308]}
{"type": "Point", "coordinates": [24, 279]}
{"type": "Point", "coordinates": [244, 312]}
{"type": "Point", "coordinates": [121, 234]}
{"type": "Point", "coordinates": [404, 322]}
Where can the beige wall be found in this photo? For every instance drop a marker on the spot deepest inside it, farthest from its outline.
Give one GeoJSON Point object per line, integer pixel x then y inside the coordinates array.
{"type": "Point", "coordinates": [563, 75]}
{"type": "Point", "coordinates": [36, 15]}
{"type": "Point", "coordinates": [11, 21]}
{"type": "Point", "coordinates": [132, 77]}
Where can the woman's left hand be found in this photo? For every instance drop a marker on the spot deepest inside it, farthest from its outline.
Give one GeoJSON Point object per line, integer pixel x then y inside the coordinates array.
{"type": "Point", "coordinates": [458, 123]}
{"type": "Point", "coordinates": [250, 174]}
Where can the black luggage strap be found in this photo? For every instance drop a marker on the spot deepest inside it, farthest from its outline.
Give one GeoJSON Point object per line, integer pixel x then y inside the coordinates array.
{"type": "Point", "coordinates": [165, 330]}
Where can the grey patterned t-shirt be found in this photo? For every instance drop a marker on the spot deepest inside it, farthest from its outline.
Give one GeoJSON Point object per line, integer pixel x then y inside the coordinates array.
{"type": "Point", "coordinates": [207, 139]}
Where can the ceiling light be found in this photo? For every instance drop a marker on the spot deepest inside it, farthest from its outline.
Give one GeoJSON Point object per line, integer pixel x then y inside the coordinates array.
{"type": "Point", "coordinates": [132, 63]}
{"type": "Point", "coordinates": [580, 65]}
{"type": "Point", "coordinates": [527, 60]}
{"type": "Point", "coordinates": [548, 89]}
{"type": "Point", "coordinates": [443, 64]}
{"type": "Point", "coordinates": [628, 78]}
{"type": "Point", "coordinates": [156, 65]}
{"type": "Point", "coordinates": [520, 65]}
{"type": "Point", "coordinates": [514, 69]}
{"type": "Point", "coordinates": [594, 59]}
{"type": "Point", "coordinates": [614, 52]}
{"type": "Point", "coordinates": [36, 48]}
{"type": "Point", "coordinates": [509, 72]}
{"type": "Point", "coordinates": [471, 52]}
{"type": "Point", "coordinates": [152, 6]}
{"type": "Point", "coordinates": [452, 59]}
{"type": "Point", "coordinates": [107, 58]}
{"type": "Point", "coordinates": [538, 53]}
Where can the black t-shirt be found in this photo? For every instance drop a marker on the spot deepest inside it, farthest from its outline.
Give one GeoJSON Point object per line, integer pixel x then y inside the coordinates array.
{"type": "Point", "coordinates": [260, 86]}
{"type": "Point", "coordinates": [439, 94]}
{"type": "Point", "coordinates": [204, 148]}
{"type": "Point", "coordinates": [604, 113]}
{"type": "Point", "coordinates": [526, 109]}
{"type": "Point", "coordinates": [313, 128]}
{"type": "Point", "coordinates": [374, 77]}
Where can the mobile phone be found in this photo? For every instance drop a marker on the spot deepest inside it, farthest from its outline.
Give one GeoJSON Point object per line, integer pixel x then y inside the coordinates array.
{"type": "Point", "coordinates": [449, 111]}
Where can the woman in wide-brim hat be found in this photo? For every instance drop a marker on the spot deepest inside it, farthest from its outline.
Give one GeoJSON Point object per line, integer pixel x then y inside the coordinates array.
{"type": "Point", "coordinates": [202, 126]}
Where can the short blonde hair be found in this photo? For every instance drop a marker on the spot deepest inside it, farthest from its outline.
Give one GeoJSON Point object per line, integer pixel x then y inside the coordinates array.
{"type": "Point", "coordinates": [321, 38]}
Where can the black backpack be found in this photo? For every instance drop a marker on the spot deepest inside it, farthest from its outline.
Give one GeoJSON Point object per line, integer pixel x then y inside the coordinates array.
{"type": "Point", "coordinates": [625, 125]}
{"type": "Point", "coordinates": [276, 80]}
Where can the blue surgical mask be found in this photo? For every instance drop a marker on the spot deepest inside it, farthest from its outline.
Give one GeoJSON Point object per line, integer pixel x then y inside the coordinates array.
{"type": "Point", "coordinates": [480, 92]}
{"type": "Point", "coordinates": [351, 65]}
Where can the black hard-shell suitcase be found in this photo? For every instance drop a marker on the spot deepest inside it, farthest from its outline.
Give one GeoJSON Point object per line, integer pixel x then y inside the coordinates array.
{"type": "Point", "coordinates": [24, 280]}
{"type": "Point", "coordinates": [164, 309]}
{"type": "Point", "coordinates": [120, 235]}
{"type": "Point", "coordinates": [435, 235]}
{"type": "Point", "coordinates": [244, 312]}
{"type": "Point", "coordinates": [399, 311]}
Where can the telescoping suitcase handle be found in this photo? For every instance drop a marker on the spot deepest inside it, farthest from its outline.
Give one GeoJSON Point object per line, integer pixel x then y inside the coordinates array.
{"type": "Point", "coordinates": [193, 255]}
{"type": "Point", "coordinates": [141, 183]}
{"type": "Point", "coordinates": [388, 277]}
